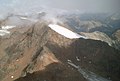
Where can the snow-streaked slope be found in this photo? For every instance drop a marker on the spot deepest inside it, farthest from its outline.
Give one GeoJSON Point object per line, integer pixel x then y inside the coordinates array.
{"type": "Point", "coordinates": [65, 32]}
{"type": "Point", "coordinates": [4, 30]}
{"type": "Point", "coordinates": [90, 76]}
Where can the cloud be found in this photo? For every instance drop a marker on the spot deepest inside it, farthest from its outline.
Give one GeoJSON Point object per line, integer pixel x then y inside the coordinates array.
{"type": "Point", "coordinates": [31, 6]}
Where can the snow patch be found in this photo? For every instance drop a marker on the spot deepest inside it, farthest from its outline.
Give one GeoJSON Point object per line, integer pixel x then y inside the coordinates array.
{"type": "Point", "coordinates": [77, 58]}
{"type": "Point", "coordinates": [29, 19]}
{"type": "Point", "coordinates": [4, 30]}
{"type": "Point", "coordinates": [65, 32]}
{"type": "Point", "coordinates": [69, 60]}
{"type": "Point", "coordinates": [23, 18]}
{"type": "Point", "coordinates": [7, 27]}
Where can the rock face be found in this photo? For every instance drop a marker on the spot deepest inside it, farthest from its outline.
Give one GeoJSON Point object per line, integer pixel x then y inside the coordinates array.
{"type": "Point", "coordinates": [117, 34]}
{"type": "Point", "coordinates": [98, 36]}
{"type": "Point", "coordinates": [40, 54]}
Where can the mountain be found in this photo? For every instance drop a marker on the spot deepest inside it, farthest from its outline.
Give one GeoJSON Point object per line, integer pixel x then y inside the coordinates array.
{"type": "Point", "coordinates": [95, 26]}
{"type": "Point", "coordinates": [35, 49]}
{"type": "Point", "coordinates": [36, 52]}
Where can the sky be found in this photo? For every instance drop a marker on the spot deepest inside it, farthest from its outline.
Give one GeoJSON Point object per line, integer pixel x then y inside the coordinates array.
{"type": "Point", "coordinates": [89, 6]}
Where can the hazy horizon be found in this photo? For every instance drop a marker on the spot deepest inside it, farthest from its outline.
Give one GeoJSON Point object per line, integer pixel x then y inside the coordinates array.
{"type": "Point", "coordinates": [83, 6]}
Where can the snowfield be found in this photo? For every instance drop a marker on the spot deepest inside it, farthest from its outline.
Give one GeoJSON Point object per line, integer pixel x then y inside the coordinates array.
{"type": "Point", "coordinates": [65, 32]}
